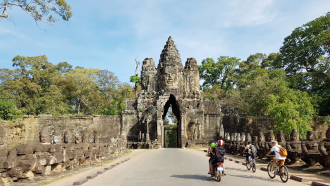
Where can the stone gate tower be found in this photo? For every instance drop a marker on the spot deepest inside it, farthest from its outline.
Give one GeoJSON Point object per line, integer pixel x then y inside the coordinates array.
{"type": "Point", "coordinates": [199, 121]}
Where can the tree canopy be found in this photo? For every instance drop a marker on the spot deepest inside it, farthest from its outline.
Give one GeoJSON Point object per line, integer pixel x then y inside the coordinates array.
{"type": "Point", "coordinates": [39, 10]}
{"type": "Point", "coordinates": [37, 86]}
{"type": "Point", "coordinates": [291, 86]}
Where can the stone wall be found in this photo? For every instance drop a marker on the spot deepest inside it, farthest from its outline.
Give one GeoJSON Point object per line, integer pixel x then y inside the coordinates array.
{"type": "Point", "coordinates": [29, 132]}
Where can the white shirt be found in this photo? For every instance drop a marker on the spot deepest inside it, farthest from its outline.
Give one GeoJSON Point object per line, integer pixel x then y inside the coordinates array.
{"type": "Point", "coordinates": [276, 149]}
{"type": "Point", "coordinates": [248, 148]}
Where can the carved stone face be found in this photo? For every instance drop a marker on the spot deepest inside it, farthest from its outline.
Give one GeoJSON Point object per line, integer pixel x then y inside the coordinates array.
{"type": "Point", "coordinates": [327, 134]}
{"type": "Point", "coordinates": [310, 135]}
{"type": "Point", "coordinates": [45, 136]}
{"type": "Point", "coordinates": [57, 138]}
{"type": "Point", "coordinates": [227, 136]}
{"type": "Point", "coordinates": [270, 136]}
{"type": "Point", "coordinates": [294, 135]}
{"type": "Point", "coordinates": [255, 138]}
{"type": "Point", "coordinates": [238, 137]}
{"type": "Point", "coordinates": [68, 138]}
{"type": "Point", "coordinates": [87, 137]}
{"type": "Point", "coordinates": [78, 138]}
{"type": "Point", "coordinates": [248, 137]}
{"type": "Point", "coordinates": [261, 136]}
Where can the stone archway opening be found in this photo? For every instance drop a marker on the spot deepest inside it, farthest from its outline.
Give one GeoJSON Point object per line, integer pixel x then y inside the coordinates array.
{"type": "Point", "coordinates": [174, 131]}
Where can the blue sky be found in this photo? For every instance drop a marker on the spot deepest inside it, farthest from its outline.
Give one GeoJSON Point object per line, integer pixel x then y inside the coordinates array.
{"type": "Point", "coordinates": [109, 35]}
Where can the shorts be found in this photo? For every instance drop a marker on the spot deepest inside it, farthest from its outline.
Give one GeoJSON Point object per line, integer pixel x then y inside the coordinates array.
{"type": "Point", "coordinates": [280, 160]}
{"type": "Point", "coordinates": [212, 160]}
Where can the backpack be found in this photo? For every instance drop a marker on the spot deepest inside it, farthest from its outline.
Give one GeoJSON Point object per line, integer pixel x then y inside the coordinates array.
{"type": "Point", "coordinates": [253, 149]}
{"type": "Point", "coordinates": [218, 156]}
{"type": "Point", "coordinates": [283, 151]}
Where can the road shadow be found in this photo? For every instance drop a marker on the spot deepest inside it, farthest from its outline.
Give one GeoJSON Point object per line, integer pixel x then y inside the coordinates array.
{"type": "Point", "coordinates": [193, 177]}
{"type": "Point", "coordinates": [256, 177]}
{"type": "Point", "coordinates": [237, 169]}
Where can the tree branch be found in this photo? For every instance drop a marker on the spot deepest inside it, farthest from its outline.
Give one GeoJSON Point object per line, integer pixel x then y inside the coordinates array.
{"type": "Point", "coordinates": [4, 13]}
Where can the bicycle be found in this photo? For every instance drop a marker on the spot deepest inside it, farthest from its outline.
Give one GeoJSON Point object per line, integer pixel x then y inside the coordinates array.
{"type": "Point", "coordinates": [251, 164]}
{"type": "Point", "coordinates": [272, 172]}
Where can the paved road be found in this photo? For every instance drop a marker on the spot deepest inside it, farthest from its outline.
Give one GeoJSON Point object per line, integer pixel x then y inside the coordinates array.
{"type": "Point", "coordinates": [179, 167]}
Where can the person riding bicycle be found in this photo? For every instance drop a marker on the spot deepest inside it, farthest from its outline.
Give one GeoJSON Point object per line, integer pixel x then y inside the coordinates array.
{"type": "Point", "coordinates": [211, 154]}
{"type": "Point", "coordinates": [251, 151]}
{"type": "Point", "coordinates": [278, 157]}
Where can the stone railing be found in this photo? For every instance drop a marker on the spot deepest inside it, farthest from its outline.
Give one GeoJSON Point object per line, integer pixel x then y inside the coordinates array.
{"type": "Point", "coordinates": [310, 151]}
{"type": "Point", "coordinates": [55, 153]}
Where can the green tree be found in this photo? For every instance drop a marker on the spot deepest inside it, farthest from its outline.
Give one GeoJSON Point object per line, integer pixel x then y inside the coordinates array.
{"type": "Point", "coordinates": [214, 94]}
{"type": "Point", "coordinates": [79, 87]}
{"type": "Point", "coordinates": [251, 99]}
{"type": "Point", "coordinates": [217, 73]}
{"type": "Point", "coordinates": [39, 10]}
{"type": "Point", "coordinates": [8, 111]}
{"type": "Point", "coordinates": [304, 57]}
{"type": "Point", "coordinates": [291, 109]}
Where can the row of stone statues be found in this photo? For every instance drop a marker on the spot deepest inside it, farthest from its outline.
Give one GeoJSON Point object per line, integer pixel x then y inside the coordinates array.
{"type": "Point", "coordinates": [310, 151]}
{"type": "Point", "coordinates": [56, 153]}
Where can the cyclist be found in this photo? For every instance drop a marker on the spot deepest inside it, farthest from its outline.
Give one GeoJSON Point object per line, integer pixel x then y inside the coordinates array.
{"type": "Point", "coordinates": [249, 152]}
{"type": "Point", "coordinates": [278, 157]}
{"type": "Point", "coordinates": [211, 154]}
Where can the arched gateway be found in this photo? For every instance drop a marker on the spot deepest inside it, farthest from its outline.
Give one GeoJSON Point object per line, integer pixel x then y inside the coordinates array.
{"type": "Point", "coordinates": [199, 121]}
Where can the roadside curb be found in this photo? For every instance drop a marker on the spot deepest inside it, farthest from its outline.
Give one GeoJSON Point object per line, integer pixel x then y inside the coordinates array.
{"type": "Point", "coordinates": [315, 183]}
{"type": "Point", "coordinates": [300, 179]}
{"type": "Point", "coordinates": [92, 176]}
{"type": "Point", "coordinates": [80, 181]}
{"type": "Point", "coordinates": [263, 168]}
{"type": "Point", "coordinates": [84, 180]}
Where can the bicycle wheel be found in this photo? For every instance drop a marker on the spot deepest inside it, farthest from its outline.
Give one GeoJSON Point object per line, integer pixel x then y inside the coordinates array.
{"type": "Point", "coordinates": [248, 165]}
{"type": "Point", "coordinates": [271, 170]}
{"type": "Point", "coordinates": [285, 174]}
{"type": "Point", "coordinates": [254, 167]}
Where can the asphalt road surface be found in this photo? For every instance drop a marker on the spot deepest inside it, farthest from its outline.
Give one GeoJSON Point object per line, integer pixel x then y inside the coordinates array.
{"type": "Point", "coordinates": [174, 166]}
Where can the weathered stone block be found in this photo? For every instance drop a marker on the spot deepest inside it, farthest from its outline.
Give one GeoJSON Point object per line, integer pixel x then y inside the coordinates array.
{"type": "Point", "coordinates": [315, 183]}
{"type": "Point", "coordinates": [101, 171]}
{"type": "Point", "coordinates": [80, 181]}
{"type": "Point", "coordinates": [298, 178]}
{"type": "Point", "coordinates": [92, 176]}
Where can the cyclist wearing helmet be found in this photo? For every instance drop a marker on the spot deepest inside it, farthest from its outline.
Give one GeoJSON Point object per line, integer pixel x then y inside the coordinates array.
{"type": "Point", "coordinates": [211, 154]}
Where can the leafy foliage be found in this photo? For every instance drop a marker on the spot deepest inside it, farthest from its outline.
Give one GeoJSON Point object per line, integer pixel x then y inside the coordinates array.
{"type": "Point", "coordinates": [37, 86]}
{"type": "Point", "coordinates": [291, 109]}
{"type": "Point", "coordinates": [39, 10]}
{"type": "Point", "coordinates": [8, 111]}
{"type": "Point", "coordinates": [136, 80]}
{"type": "Point", "coordinates": [304, 57]}
{"type": "Point", "coordinates": [217, 73]}
{"type": "Point", "coordinates": [291, 87]}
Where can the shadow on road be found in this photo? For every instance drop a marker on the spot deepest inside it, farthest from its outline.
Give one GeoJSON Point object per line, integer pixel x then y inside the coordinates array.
{"type": "Point", "coordinates": [194, 177]}
{"type": "Point", "coordinates": [255, 177]}
{"type": "Point", "coordinates": [236, 169]}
